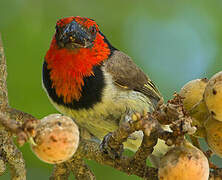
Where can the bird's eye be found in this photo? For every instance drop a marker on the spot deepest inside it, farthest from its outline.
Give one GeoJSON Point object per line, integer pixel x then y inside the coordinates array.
{"type": "Point", "coordinates": [92, 29]}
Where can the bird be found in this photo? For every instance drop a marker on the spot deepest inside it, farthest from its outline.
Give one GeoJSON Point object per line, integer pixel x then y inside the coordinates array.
{"type": "Point", "coordinates": [87, 78]}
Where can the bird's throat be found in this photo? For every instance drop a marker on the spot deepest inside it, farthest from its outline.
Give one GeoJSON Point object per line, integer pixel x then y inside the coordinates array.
{"type": "Point", "coordinates": [68, 67]}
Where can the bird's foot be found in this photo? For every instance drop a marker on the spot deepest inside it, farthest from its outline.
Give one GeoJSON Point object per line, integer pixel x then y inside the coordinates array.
{"type": "Point", "coordinates": [110, 148]}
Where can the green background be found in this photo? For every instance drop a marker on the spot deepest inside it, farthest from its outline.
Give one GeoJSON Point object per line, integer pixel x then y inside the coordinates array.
{"type": "Point", "coordinates": [174, 41]}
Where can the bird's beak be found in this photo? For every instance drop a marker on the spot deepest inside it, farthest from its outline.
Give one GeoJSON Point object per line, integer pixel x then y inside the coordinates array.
{"type": "Point", "coordinates": [76, 34]}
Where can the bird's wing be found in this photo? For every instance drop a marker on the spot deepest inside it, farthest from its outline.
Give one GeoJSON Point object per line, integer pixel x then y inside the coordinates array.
{"type": "Point", "coordinates": [128, 75]}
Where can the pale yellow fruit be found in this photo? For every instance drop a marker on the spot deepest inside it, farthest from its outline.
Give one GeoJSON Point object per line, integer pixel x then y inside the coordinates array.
{"type": "Point", "coordinates": [185, 162]}
{"type": "Point", "coordinates": [214, 135]}
{"type": "Point", "coordinates": [57, 139]}
{"type": "Point", "coordinates": [193, 92]}
{"type": "Point", "coordinates": [199, 113]}
{"type": "Point", "coordinates": [213, 96]}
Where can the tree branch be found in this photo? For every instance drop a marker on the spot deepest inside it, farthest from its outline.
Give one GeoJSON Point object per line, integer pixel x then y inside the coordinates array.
{"type": "Point", "coordinates": [60, 171]}
{"type": "Point", "coordinates": [8, 151]}
{"type": "Point", "coordinates": [3, 77]}
{"type": "Point", "coordinates": [90, 150]}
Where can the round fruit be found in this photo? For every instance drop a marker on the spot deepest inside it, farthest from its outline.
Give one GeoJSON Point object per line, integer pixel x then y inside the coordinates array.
{"type": "Point", "coordinates": [193, 92]}
{"type": "Point", "coordinates": [184, 162]}
{"type": "Point", "coordinates": [213, 96]}
{"type": "Point", "coordinates": [57, 139]}
{"type": "Point", "coordinates": [214, 135]}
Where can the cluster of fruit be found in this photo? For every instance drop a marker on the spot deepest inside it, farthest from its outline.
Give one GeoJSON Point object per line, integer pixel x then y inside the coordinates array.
{"type": "Point", "coordinates": [203, 102]}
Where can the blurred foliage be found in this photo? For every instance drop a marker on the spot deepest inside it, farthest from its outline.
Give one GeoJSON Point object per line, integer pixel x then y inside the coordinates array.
{"type": "Point", "coordinates": [173, 41]}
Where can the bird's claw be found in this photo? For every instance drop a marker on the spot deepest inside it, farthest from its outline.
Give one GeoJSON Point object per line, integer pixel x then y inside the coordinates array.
{"type": "Point", "coordinates": [114, 153]}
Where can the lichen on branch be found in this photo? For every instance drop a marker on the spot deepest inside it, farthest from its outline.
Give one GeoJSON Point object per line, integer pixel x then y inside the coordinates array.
{"type": "Point", "coordinates": [9, 153]}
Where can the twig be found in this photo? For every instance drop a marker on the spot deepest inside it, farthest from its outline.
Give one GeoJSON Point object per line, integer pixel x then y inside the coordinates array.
{"type": "Point", "coordinates": [9, 152]}
{"type": "Point", "coordinates": [2, 166]}
{"type": "Point", "coordinates": [90, 150]}
{"type": "Point", "coordinates": [60, 172]}
{"type": "Point", "coordinates": [80, 169]}
{"type": "Point", "coordinates": [216, 174]}
{"type": "Point", "coordinates": [3, 77]}
{"type": "Point", "coordinates": [195, 141]}
{"type": "Point", "coordinates": [150, 128]}
{"type": "Point", "coordinates": [23, 126]}
{"type": "Point", "coordinates": [11, 155]}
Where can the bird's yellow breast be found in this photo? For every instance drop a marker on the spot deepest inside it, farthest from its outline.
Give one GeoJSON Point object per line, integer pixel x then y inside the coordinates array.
{"type": "Point", "coordinates": [105, 116]}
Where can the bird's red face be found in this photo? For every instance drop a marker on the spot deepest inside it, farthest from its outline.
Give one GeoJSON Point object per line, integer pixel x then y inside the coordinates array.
{"type": "Point", "coordinates": [76, 47]}
{"type": "Point", "coordinates": [76, 32]}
